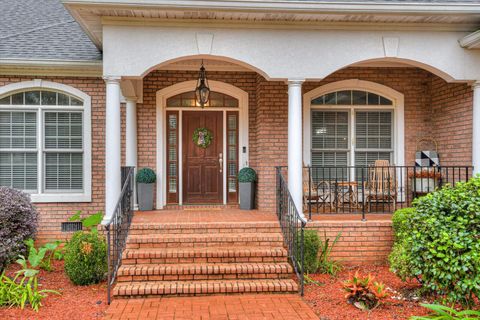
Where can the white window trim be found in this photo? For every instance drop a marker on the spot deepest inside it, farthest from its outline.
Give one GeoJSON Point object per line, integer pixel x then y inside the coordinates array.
{"type": "Point", "coordinates": [86, 195]}
{"type": "Point", "coordinates": [356, 84]}
{"type": "Point", "coordinates": [187, 86]}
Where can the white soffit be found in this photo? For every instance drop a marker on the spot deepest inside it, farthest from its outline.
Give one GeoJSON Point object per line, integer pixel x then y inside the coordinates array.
{"type": "Point", "coordinates": [91, 14]}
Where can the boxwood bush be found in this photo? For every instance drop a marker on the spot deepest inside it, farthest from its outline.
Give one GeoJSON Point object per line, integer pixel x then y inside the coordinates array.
{"type": "Point", "coordinates": [146, 175]}
{"type": "Point", "coordinates": [247, 174]}
{"type": "Point", "coordinates": [439, 242]}
{"type": "Point", "coordinates": [86, 258]}
{"type": "Point", "coordinates": [18, 222]}
{"type": "Point", "coordinates": [312, 243]}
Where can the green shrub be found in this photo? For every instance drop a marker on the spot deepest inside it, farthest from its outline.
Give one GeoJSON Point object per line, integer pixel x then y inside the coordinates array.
{"type": "Point", "coordinates": [312, 243]}
{"type": "Point", "coordinates": [146, 175]}
{"type": "Point", "coordinates": [399, 257]}
{"type": "Point", "coordinates": [325, 262]}
{"type": "Point", "coordinates": [86, 258]}
{"type": "Point", "coordinates": [247, 175]}
{"type": "Point", "coordinates": [440, 242]}
{"type": "Point", "coordinates": [445, 313]}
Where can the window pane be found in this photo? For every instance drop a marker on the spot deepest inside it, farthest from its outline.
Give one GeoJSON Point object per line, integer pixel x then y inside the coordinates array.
{"type": "Point", "coordinates": [329, 130]}
{"type": "Point", "coordinates": [32, 97]}
{"type": "Point", "coordinates": [373, 99]}
{"type": "Point", "coordinates": [49, 98]}
{"type": "Point", "coordinates": [63, 99]}
{"type": "Point", "coordinates": [64, 171]}
{"type": "Point", "coordinates": [359, 98]}
{"type": "Point", "coordinates": [18, 130]}
{"type": "Point", "coordinates": [373, 130]}
{"type": "Point", "coordinates": [75, 102]}
{"type": "Point", "coordinates": [5, 100]}
{"type": "Point", "coordinates": [326, 164]}
{"type": "Point", "coordinates": [63, 130]}
{"type": "Point", "coordinates": [19, 170]}
{"type": "Point", "coordinates": [344, 97]}
{"type": "Point", "coordinates": [18, 98]}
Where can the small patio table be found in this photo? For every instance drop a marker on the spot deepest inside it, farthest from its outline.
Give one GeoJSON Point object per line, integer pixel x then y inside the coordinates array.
{"type": "Point", "coordinates": [345, 192]}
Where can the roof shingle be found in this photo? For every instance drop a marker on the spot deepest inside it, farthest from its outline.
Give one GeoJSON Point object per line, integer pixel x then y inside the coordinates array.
{"type": "Point", "coordinates": [42, 29]}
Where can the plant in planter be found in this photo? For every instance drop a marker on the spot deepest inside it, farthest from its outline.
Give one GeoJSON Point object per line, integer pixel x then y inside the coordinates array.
{"type": "Point", "coordinates": [145, 181]}
{"type": "Point", "coordinates": [425, 179]}
{"type": "Point", "coordinates": [247, 178]}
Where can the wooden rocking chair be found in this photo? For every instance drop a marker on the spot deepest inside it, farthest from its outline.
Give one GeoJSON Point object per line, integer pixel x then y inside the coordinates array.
{"type": "Point", "coordinates": [381, 185]}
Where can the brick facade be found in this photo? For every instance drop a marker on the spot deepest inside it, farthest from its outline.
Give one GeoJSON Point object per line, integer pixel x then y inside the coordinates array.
{"type": "Point", "coordinates": [432, 108]}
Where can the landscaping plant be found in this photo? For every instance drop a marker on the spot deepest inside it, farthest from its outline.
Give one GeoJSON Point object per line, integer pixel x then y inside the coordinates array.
{"type": "Point", "coordinates": [18, 222]}
{"type": "Point", "coordinates": [247, 174]}
{"type": "Point", "coordinates": [41, 258]}
{"type": "Point", "coordinates": [311, 245]}
{"type": "Point", "coordinates": [363, 292]}
{"type": "Point", "coordinates": [325, 262]}
{"type": "Point", "coordinates": [86, 253]}
{"type": "Point", "coordinates": [441, 312]}
{"type": "Point", "coordinates": [146, 175]}
{"type": "Point", "coordinates": [439, 242]}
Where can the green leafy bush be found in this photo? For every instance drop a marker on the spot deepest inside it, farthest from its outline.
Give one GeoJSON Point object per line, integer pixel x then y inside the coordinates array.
{"type": "Point", "coordinates": [86, 258]}
{"type": "Point", "coordinates": [146, 175]}
{"type": "Point", "coordinates": [18, 222]}
{"type": "Point", "coordinates": [400, 255]}
{"type": "Point", "coordinates": [247, 174]}
{"type": "Point", "coordinates": [440, 242]}
{"type": "Point", "coordinates": [325, 262]}
{"type": "Point", "coordinates": [445, 313]}
{"type": "Point", "coordinates": [41, 258]}
{"type": "Point", "coordinates": [311, 242]}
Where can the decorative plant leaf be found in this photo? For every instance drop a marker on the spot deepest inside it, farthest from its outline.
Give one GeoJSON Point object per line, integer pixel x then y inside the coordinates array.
{"type": "Point", "coordinates": [93, 220]}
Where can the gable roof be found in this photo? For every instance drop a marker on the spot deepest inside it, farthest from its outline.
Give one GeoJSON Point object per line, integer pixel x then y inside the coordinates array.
{"type": "Point", "coordinates": [42, 30]}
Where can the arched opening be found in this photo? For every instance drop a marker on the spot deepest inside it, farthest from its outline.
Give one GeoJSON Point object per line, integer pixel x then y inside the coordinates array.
{"type": "Point", "coordinates": [192, 173]}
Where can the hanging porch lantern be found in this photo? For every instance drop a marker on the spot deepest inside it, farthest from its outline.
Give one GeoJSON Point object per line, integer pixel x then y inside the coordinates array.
{"type": "Point", "coordinates": [202, 91]}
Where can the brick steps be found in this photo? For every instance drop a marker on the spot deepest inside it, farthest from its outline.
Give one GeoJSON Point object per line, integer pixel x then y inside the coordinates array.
{"type": "Point", "coordinates": [205, 271]}
{"type": "Point", "coordinates": [182, 288]}
{"type": "Point", "coordinates": [208, 228]}
{"type": "Point", "coordinates": [204, 255]}
{"type": "Point", "coordinates": [204, 240]}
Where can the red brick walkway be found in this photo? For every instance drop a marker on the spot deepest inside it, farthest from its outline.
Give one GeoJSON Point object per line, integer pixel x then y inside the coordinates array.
{"type": "Point", "coordinates": [234, 307]}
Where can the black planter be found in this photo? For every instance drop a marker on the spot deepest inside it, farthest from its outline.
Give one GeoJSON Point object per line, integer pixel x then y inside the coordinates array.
{"type": "Point", "coordinates": [247, 195]}
{"type": "Point", "coordinates": [145, 196]}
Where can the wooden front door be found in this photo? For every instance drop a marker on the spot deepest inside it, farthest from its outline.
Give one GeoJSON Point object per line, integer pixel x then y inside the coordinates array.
{"type": "Point", "coordinates": [202, 167]}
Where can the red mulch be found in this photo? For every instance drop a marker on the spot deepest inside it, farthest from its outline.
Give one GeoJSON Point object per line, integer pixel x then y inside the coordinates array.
{"type": "Point", "coordinates": [328, 299]}
{"type": "Point", "coordinates": [74, 303]}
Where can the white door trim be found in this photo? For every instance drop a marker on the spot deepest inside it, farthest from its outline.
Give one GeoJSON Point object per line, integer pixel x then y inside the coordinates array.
{"type": "Point", "coordinates": [161, 109]}
{"type": "Point", "coordinates": [356, 84]}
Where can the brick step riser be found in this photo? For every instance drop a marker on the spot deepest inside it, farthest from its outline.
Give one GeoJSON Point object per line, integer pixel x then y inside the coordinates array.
{"type": "Point", "coordinates": [202, 260]}
{"type": "Point", "coordinates": [191, 277]}
{"type": "Point", "coordinates": [199, 290]}
{"type": "Point", "coordinates": [204, 244]}
{"type": "Point", "coordinates": [170, 295]}
{"type": "Point", "coordinates": [200, 230]}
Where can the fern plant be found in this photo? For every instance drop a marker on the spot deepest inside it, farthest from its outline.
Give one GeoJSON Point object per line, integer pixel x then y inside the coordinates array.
{"type": "Point", "coordinates": [441, 312]}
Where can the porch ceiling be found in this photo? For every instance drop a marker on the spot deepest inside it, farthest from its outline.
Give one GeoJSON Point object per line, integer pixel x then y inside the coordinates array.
{"type": "Point", "coordinates": [92, 14]}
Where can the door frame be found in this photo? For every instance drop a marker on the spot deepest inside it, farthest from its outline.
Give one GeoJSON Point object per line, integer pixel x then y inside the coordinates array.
{"type": "Point", "coordinates": [161, 115]}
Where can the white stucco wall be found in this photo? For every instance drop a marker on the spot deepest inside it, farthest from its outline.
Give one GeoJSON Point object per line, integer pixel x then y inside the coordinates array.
{"type": "Point", "coordinates": [279, 54]}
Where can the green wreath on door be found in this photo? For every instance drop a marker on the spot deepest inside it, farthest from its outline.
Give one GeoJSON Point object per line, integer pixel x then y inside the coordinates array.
{"type": "Point", "coordinates": [202, 137]}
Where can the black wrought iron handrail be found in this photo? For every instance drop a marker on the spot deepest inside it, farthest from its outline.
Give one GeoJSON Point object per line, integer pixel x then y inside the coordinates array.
{"type": "Point", "coordinates": [374, 189]}
{"type": "Point", "coordinates": [292, 224]}
{"type": "Point", "coordinates": [119, 225]}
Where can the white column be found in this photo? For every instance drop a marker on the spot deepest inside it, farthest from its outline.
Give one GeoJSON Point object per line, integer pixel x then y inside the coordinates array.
{"type": "Point", "coordinates": [131, 139]}
{"type": "Point", "coordinates": [295, 164]}
{"type": "Point", "coordinates": [476, 128]}
{"type": "Point", "coordinates": [112, 146]}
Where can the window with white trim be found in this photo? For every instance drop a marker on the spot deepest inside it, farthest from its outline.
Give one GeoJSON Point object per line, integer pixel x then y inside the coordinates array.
{"type": "Point", "coordinates": [351, 128]}
{"type": "Point", "coordinates": [42, 142]}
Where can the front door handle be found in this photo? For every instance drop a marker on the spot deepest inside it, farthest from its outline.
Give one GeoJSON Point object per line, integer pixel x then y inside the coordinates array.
{"type": "Point", "coordinates": [220, 161]}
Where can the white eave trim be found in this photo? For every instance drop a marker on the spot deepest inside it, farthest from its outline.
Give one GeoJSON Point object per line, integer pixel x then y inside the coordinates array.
{"type": "Point", "coordinates": [471, 41]}
{"type": "Point", "coordinates": [293, 6]}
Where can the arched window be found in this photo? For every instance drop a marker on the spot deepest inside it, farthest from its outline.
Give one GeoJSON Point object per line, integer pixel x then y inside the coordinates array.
{"type": "Point", "coordinates": [43, 144]}
{"type": "Point", "coordinates": [216, 99]}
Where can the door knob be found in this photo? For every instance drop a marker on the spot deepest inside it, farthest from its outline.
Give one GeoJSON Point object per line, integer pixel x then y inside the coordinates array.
{"type": "Point", "coordinates": [220, 161]}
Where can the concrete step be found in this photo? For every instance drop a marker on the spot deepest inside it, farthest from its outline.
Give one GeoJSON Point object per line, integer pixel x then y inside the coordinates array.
{"type": "Point", "coordinates": [204, 227]}
{"type": "Point", "coordinates": [204, 240]}
{"type": "Point", "coordinates": [204, 255]}
{"type": "Point", "coordinates": [202, 287]}
{"type": "Point", "coordinates": [205, 271]}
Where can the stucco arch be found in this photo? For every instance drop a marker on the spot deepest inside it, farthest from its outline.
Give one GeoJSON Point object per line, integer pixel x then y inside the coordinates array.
{"type": "Point", "coordinates": [356, 84]}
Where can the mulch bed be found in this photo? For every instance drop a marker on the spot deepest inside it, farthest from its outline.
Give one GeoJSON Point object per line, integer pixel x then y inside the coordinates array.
{"type": "Point", "coordinates": [75, 302]}
{"type": "Point", "coordinates": [329, 303]}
